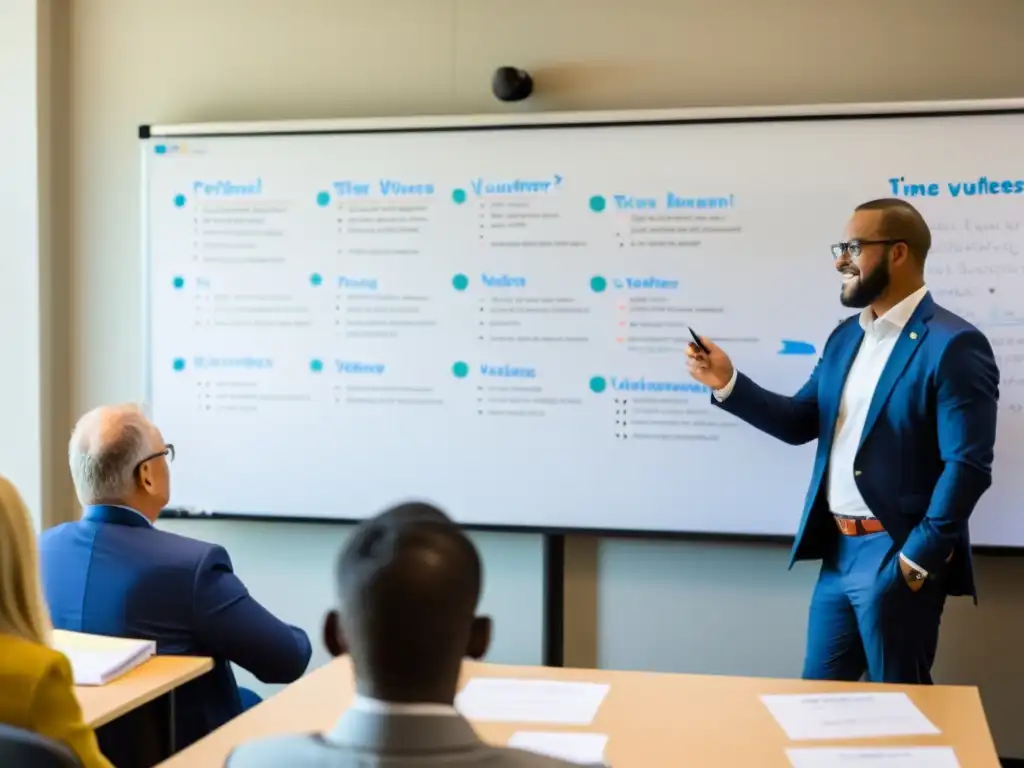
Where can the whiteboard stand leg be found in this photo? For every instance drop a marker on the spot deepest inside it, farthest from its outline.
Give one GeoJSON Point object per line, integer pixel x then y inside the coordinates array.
{"type": "Point", "coordinates": [554, 601]}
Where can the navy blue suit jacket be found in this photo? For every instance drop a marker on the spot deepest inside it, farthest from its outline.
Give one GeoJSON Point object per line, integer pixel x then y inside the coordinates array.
{"type": "Point", "coordinates": [113, 573]}
{"type": "Point", "coordinates": [925, 456]}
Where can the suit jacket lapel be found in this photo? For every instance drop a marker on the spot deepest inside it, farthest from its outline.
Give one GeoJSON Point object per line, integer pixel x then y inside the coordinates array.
{"type": "Point", "coordinates": [906, 345]}
{"type": "Point", "coordinates": [846, 355]}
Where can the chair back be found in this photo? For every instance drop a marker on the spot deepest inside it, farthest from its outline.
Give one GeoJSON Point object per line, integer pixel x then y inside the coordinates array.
{"type": "Point", "coordinates": [19, 747]}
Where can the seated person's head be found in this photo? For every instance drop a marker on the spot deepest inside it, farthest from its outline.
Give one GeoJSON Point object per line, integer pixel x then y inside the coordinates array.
{"type": "Point", "coordinates": [408, 585]}
{"type": "Point", "coordinates": [118, 457]}
{"type": "Point", "coordinates": [23, 611]}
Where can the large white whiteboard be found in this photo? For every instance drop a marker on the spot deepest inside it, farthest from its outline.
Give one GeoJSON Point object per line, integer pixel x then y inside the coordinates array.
{"type": "Point", "coordinates": [493, 318]}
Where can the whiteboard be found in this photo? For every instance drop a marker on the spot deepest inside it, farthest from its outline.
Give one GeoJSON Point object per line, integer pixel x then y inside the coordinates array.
{"type": "Point", "coordinates": [493, 316]}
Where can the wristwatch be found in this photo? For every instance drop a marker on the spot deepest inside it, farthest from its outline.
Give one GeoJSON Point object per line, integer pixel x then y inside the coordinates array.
{"type": "Point", "coordinates": [915, 575]}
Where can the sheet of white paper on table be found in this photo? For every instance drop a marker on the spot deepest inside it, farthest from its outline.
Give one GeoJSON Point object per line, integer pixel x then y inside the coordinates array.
{"type": "Point", "coordinates": [848, 715]}
{"type": "Point", "coordinates": [498, 699]}
{"type": "Point", "coordinates": [587, 748]}
{"type": "Point", "coordinates": [876, 757]}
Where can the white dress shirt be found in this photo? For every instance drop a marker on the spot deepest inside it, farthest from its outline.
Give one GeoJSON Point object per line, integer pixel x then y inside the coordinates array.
{"type": "Point", "coordinates": [378, 707]}
{"type": "Point", "coordinates": [880, 335]}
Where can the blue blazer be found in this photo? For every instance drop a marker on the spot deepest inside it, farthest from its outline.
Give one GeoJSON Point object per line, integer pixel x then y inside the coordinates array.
{"type": "Point", "coordinates": [113, 573]}
{"type": "Point", "coordinates": [925, 456]}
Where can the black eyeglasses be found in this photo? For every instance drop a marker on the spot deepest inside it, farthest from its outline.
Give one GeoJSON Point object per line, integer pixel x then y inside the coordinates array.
{"type": "Point", "coordinates": [168, 452]}
{"type": "Point", "coordinates": [856, 247]}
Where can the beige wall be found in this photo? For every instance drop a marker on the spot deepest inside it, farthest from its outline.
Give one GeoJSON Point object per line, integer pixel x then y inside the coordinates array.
{"type": "Point", "coordinates": [21, 253]}
{"type": "Point", "coordinates": [633, 604]}
{"type": "Point", "coordinates": [34, 196]}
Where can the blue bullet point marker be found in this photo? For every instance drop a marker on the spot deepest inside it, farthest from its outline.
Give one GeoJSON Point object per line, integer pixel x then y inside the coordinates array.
{"type": "Point", "coordinates": [460, 370]}
{"type": "Point", "coordinates": [316, 279]}
{"type": "Point", "coordinates": [178, 364]}
{"type": "Point", "coordinates": [179, 283]}
{"type": "Point", "coordinates": [459, 196]}
{"type": "Point", "coordinates": [460, 282]}
{"type": "Point", "coordinates": [323, 198]}
{"type": "Point", "coordinates": [598, 384]}
{"type": "Point", "coordinates": [597, 203]}
{"type": "Point", "coordinates": [790, 347]}
{"type": "Point", "coordinates": [316, 366]}
{"type": "Point", "coordinates": [179, 201]}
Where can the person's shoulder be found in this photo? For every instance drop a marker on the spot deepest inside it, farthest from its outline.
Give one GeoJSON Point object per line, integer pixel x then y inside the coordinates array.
{"type": "Point", "coordinates": [848, 324]}
{"type": "Point", "coordinates": [949, 322]}
{"type": "Point", "coordinates": [151, 548]}
{"type": "Point", "coordinates": [57, 532]}
{"type": "Point", "coordinates": [521, 758]}
{"type": "Point", "coordinates": [844, 328]}
{"type": "Point", "coordinates": [295, 751]}
{"type": "Point", "coordinates": [183, 543]}
{"type": "Point", "coordinates": [947, 326]}
{"type": "Point", "coordinates": [34, 676]}
{"type": "Point", "coordinates": [31, 660]}
{"type": "Point", "coordinates": [301, 750]}
{"type": "Point", "coordinates": [177, 547]}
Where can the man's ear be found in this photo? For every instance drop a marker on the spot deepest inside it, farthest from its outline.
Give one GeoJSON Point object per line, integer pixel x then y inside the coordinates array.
{"type": "Point", "coordinates": [901, 252]}
{"type": "Point", "coordinates": [479, 637]}
{"type": "Point", "coordinates": [145, 478]}
{"type": "Point", "coordinates": [334, 636]}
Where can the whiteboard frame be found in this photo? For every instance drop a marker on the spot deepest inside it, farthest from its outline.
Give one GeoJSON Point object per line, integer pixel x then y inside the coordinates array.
{"type": "Point", "coordinates": [961, 108]}
{"type": "Point", "coordinates": [512, 121]}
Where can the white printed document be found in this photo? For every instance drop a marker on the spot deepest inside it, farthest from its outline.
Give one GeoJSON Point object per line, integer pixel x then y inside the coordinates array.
{"type": "Point", "coordinates": [848, 715]}
{"type": "Point", "coordinates": [530, 701]}
{"type": "Point", "coordinates": [586, 748]}
{"type": "Point", "coordinates": [96, 659]}
{"type": "Point", "coordinates": [875, 757]}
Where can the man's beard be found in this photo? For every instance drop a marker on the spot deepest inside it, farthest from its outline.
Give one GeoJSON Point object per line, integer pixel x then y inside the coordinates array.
{"type": "Point", "coordinates": [867, 288]}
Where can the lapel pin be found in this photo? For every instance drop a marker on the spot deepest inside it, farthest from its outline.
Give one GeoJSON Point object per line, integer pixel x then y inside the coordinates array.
{"type": "Point", "coordinates": [913, 334]}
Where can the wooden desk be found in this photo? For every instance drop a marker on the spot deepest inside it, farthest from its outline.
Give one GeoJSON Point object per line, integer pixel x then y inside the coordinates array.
{"type": "Point", "coordinates": [148, 681]}
{"type": "Point", "coordinates": [652, 720]}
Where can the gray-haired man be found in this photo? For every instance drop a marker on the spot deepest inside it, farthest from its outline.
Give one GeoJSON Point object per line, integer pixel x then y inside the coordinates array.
{"type": "Point", "coordinates": [113, 573]}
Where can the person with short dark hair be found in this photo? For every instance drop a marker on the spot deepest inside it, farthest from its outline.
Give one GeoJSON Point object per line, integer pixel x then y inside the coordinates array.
{"type": "Point", "coordinates": [409, 581]}
{"type": "Point", "coordinates": [903, 404]}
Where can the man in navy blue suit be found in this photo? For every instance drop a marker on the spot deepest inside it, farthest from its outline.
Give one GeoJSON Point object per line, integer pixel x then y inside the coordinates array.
{"type": "Point", "coordinates": [114, 573]}
{"type": "Point", "coordinates": [903, 405]}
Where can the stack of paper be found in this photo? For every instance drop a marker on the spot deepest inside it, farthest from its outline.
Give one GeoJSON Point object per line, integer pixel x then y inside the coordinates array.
{"type": "Point", "coordinates": [96, 660]}
{"type": "Point", "coordinates": [856, 716]}
{"type": "Point", "coordinates": [848, 715]}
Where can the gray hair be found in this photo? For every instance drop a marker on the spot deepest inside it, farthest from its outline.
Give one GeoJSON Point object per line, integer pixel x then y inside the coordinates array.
{"type": "Point", "coordinates": [106, 445]}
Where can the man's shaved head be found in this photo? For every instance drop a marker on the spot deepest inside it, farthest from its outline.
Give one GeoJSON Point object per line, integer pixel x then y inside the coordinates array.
{"type": "Point", "coordinates": [409, 582]}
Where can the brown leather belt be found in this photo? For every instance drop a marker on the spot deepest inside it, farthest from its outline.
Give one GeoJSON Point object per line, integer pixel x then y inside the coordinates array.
{"type": "Point", "coordinates": [858, 526]}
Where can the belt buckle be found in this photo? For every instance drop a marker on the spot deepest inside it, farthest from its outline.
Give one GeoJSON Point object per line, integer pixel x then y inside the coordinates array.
{"type": "Point", "coordinates": [850, 526]}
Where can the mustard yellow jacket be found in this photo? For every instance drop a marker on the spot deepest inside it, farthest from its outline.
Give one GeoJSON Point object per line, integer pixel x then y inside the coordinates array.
{"type": "Point", "coordinates": [37, 694]}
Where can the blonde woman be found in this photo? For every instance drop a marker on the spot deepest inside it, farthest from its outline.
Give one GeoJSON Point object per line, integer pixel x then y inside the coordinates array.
{"type": "Point", "coordinates": [36, 688]}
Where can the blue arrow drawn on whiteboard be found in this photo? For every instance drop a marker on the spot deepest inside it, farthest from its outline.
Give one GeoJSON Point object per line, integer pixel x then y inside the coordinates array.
{"type": "Point", "coordinates": [796, 347]}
